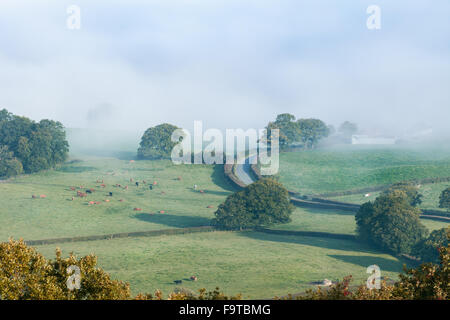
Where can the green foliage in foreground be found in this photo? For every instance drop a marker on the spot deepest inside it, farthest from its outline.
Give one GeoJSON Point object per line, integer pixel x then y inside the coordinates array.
{"type": "Point", "coordinates": [427, 282]}
{"type": "Point", "coordinates": [32, 145]}
{"type": "Point", "coordinates": [390, 222]}
{"type": "Point", "coordinates": [156, 143]}
{"type": "Point", "coordinates": [262, 203]}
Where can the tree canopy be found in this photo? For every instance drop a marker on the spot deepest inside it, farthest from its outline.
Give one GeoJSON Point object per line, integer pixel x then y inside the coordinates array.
{"type": "Point", "coordinates": [262, 203]}
{"type": "Point", "coordinates": [305, 131]}
{"type": "Point", "coordinates": [156, 143]}
{"type": "Point", "coordinates": [30, 146]}
{"type": "Point", "coordinates": [390, 222]}
{"type": "Point", "coordinates": [411, 190]}
{"type": "Point", "coordinates": [444, 199]}
{"type": "Point", "coordinates": [427, 249]}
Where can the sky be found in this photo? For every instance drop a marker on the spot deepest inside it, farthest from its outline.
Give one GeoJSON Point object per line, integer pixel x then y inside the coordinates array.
{"type": "Point", "coordinates": [231, 64]}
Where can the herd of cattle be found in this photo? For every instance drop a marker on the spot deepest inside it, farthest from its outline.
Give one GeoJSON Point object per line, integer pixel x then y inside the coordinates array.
{"type": "Point", "coordinates": [101, 184]}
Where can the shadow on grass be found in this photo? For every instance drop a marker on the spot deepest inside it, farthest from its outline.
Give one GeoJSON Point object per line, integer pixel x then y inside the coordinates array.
{"type": "Point", "coordinates": [321, 242]}
{"type": "Point", "coordinates": [218, 178]}
{"type": "Point", "coordinates": [215, 192]}
{"type": "Point", "coordinates": [176, 221]}
{"type": "Point", "coordinates": [365, 261]}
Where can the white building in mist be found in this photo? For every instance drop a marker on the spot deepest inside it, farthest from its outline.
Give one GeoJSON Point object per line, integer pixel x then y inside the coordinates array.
{"type": "Point", "coordinates": [366, 140]}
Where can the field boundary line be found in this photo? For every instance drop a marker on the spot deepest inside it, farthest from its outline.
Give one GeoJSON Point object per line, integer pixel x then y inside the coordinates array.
{"type": "Point", "coordinates": [150, 233]}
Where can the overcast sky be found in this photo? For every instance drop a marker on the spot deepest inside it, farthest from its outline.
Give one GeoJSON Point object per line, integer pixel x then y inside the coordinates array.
{"type": "Point", "coordinates": [233, 64]}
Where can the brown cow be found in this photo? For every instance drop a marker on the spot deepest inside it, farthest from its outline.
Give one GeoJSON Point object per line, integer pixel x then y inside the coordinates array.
{"type": "Point", "coordinates": [193, 278]}
{"type": "Point", "coordinates": [137, 209]}
{"type": "Point", "coordinates": [42, 196]}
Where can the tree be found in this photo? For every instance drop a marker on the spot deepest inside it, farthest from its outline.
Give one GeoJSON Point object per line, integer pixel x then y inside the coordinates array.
{"type": "Point", "coordinates": [312, 130]}
{"type": "Point", "coordinates": [411, 190]}
{"type": "Point", "coordinates": [156, 143]}
{"type": "Point", "coordinates": [444, 199]}
{"type": "Point", "coordinates": [37, 146]}
{"type": "Point", "coordinates": [262, 203]}
{"type": "Point", "coordinates": [9, 165]}
{"type": "Point", "coordinates": [289, 132]}
{"type": "Point", "coordinates": [391, 222]}
{"type": "Point", "coordinates": [26, 274]}
{"type": "Point", "coordinates": [427, 249]}
{"type": "Point", "coordinates": [348, 128]}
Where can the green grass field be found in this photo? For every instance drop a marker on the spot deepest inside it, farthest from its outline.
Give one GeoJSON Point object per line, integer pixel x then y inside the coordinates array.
{"type": "Point", "coordinates": [255, 264]}
{"type": "Point", "coordinates": [58, 216]}
{"type": "Point", "coordinates": [330, 170]}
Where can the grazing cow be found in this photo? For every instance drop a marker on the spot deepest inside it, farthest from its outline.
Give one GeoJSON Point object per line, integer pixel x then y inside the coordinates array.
{"type": "Point", "coordinates": [91, 202]}
{"type": "Point", "coordinates": [179, 178]}
{"type": "Point", "coordinates": [178, 281]}
{"type": "Point", "coordinates": [33, 196]}
{"type": "Point", "coordinates": [193, 278]}
{"type": "Point", "coordinates": [42, 196]}
{"type": "Point", "coordinates": [88, 191]}
{"type": "Point", "coordinates": [144, 182]}
{"type": "Point", "coordinates": [151, 187]}
{"type": "Point", "coordinates": [126, 187]}
{"type": "Point", "coordinates": [121, 200]}
{"type": "Point", "coordinates": [106, 200]}
{"type": "Point", "coordinates": [102, 185]}
{"type": "Point", "coordinates": [81, 194]}
{"type": "Point", "coordinates": [72, 188]}
{"type": "Point", "coordinates": [201, 191]}
{"type": "Point", "coordinates": [209, 207]}
{"type": "Point", "coordinates": [137, 184]}
{"type": "Point", "coordinates": [162, 211]}
{"type": "Point", "coordinates": [110, 194]}
{"type": "Point", "coordinates": [195, 187]}
{"type": "Point", "coordinates": [137, 209]}
{"type": "Point", "coordinates": [155, 183]}
{"type": "Point", "coordinates": [131, 161]}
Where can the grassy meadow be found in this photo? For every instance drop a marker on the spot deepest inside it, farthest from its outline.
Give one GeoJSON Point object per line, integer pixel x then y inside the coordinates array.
{"type": "Point", "coordinates": [329, 170]}
{"type": "Point", "coordinates": [255, 264]}
{"type": "Point", "coordinates": [58, 216]}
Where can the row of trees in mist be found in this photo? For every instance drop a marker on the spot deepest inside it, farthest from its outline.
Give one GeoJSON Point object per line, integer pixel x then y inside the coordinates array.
{"type": "Point", "coordinates": [29, 146]}
{"type": "Point", "coordinates": [156, 142]}
{"type": "Point", "coordinates": [306, 132]}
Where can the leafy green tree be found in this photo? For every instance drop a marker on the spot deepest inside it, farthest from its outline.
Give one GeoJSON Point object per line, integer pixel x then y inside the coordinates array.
{"type": "Point", "coordinates": [9, 165]}
{"type": "Point", "coordinates": [444, 199]}
{"type": "Point", "coordinates": [312, 130]}
{"type": "Point", "coordinates": [391, 222]}
{"type": "Point", "coordinates": [411, 190]}
{"type": "Point", "coordinates": [427, 249]}
{"type": "Point", "coordinates": [37, 146]}
{"type": "Point", "coordinates": [289, 132]}
{"type": "Point", "coordinates": [156, 143]}
{"type": "Point", "coordinates": [262, 203]}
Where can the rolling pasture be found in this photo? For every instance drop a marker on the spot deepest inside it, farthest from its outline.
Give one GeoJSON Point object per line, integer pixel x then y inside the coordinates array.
{"type": "Point", "coordinates": [58, 216]}
{"type": "Point", "coordinates": [330, 170]}
{"type": "Point", "coordinates": [258, 265]}
{"type": "Point", "coordinates": [255, 264]}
